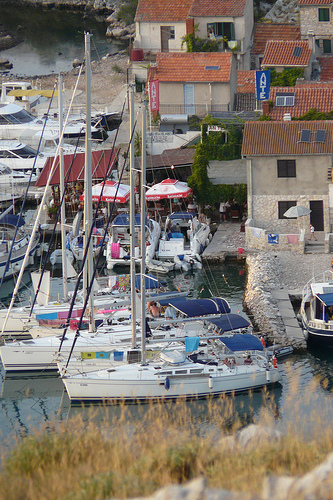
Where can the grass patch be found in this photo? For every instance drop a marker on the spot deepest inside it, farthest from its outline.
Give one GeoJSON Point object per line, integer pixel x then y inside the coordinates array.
{"type": "Point", "coordinates": [147, 447]}
{"type": "Point", "coordinates": [116, 68]}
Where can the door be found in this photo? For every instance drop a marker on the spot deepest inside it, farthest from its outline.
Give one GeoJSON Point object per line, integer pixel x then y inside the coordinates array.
{"type": "Point", "coordinates": [317, 215]}
{"type": "Point", "coordinates": [165, 36]}
{"type": "Point", "coordinates": [189, 99]}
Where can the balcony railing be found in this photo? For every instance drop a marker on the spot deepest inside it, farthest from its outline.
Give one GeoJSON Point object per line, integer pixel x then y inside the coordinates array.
{"type": "Point", "coordinates": [199, 110]}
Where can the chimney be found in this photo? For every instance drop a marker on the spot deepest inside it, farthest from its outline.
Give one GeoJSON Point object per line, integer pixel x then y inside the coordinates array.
{"type": "Point", "coordinates": [265, 107]}
{"type": "Point", "coordinates": [311, 41]}
{"type": "Point", "coordinates": [189, 25]}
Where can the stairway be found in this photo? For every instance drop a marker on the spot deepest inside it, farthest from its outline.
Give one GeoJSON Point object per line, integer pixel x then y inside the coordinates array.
{"type": "Point", "coordinates": [314, 247]}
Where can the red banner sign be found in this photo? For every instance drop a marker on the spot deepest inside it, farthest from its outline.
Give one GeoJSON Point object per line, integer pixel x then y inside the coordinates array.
{"type": "Point", "coordinates": [154, 96]}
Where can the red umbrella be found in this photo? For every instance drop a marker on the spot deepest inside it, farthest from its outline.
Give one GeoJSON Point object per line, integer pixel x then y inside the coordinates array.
{"type": "Point", "coordinates": [109, 192]}
{"type": "Point", "coordinates": [169, 188]}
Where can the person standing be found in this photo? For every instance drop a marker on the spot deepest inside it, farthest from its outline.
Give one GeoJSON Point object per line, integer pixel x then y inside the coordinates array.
{"type": "Point", "coordinates": [312, 233]}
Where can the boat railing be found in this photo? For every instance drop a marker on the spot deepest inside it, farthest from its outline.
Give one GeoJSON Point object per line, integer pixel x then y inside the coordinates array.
{"type": "Point", "coordinates": [321, 324]}
{"type": "Point", "coordinates": [325, 277]}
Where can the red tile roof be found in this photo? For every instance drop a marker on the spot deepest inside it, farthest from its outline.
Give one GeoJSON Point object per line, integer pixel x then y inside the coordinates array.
{"type": "Point", "coordinates": [314, 2]}
{"type": "Point", "coordinates": [162, 10]}
{"type": "Point", "coordinates": [315, 84]}
{"type": "Point", "coordinates": [75, 164]}
{"type": "Point", "coordinates": [306, 98]}
{"type": "Point", "coordinates": [326, 68]}
{"type": "Point", "coordinates": [216, 8]}
{"type": "Point", "coordinates": [246, 81]}
{"type": "Point", "coordinates": [192, 67]}
{"type": "Point", "coordinates": [280, 53]}
{"type": "Point", "coordinates": [176, 157]}
{"type": "Point", "coordinates": [265, 32]}
{"type": "Point", "coordinates": [283, 138]}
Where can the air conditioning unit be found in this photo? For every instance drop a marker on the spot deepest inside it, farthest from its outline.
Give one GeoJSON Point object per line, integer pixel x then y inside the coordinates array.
{"type": "Point", "coordinates": [287, 117]}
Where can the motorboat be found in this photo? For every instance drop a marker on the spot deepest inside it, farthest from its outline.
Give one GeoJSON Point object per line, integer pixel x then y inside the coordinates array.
{"type": "Point", "coordinates": [118, 246]}
{"type": "Point", "coordinates": [18, 123]}
{"type": "Point", "coordinates": [14, 242]}
{"type": "Point", "coordinates": [223, 365]}
{"type": "Point", "coordinates": [316, 311]}
{"type": "Point", "coordinates": [182, 242]}
{"type": "Point", "coordinates": [21, 93]}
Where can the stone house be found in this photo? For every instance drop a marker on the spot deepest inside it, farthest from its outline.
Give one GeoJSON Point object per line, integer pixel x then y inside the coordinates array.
{"type": "Point", "coordinates": [265, 32]}
{"type": "Point", "coordinates": [161, 25]}
{"type": "Point", "coordinates": [195, 83]}
{"type": "Point", "coordinates": [289, 163]}
{"type": "Point", "coordinates": [316, 20]}
{"type": "Point", "coordinates": [280, 55]}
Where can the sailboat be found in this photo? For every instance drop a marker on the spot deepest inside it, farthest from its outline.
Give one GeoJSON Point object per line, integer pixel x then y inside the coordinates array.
{"type": "Point", "coordinates": [191, 371]}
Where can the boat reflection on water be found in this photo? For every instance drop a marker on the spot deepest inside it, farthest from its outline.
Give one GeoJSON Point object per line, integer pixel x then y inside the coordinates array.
{"type": "Point", "coordinates": [321, 362]}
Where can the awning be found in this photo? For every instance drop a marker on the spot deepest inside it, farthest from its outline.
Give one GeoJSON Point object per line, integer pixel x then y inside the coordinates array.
{"type": "Point", "coordinates": [229, 322]}
{"type": "Point", "coordinates": [201, 307]}
{"type": "Point", "coordinates": [103, 161]}
{"type": "Point", "coordinates": [326, 298]}
{"type": "Point", "coordinates": [242, 342]}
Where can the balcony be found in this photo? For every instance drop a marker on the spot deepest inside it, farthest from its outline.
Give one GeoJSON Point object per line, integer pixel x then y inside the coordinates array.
{"type": "Point", "coordinates": [200, 110]}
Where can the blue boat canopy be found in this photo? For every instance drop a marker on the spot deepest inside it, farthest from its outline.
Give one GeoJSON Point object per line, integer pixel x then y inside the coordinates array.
{"type": "Point", "coordinates": [150, 282]}
{"type": "Point", "coordinates": [326, 298]}
{"type": "Point", "coordinates": [12, 219]}
{"type": "Point", "coordinates": [242, 342]}
{"type": "Point", "coordinates": [124, 220]}
{"type": "Point", "coordinates": [230, 321]}
{"type": "Point", "coordinates": [201, 307]}
{"type": "Point", "coordinates": [182, 215]}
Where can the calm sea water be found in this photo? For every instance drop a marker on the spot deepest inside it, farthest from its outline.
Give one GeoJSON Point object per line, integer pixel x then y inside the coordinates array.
{"type": "Point", "coordinates": [52, 39]}
{"type": "Point", "coordinates": [31, 401]}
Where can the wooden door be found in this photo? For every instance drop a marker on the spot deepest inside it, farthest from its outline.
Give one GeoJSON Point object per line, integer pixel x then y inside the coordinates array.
{"type": "Point", "coordinates": [317, 215]}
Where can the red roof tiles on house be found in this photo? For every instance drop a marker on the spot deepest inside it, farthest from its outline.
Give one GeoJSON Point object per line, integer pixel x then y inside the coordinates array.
{"type": "Point", "coordinates": [265, 32]}
{"type": "Point", "coordinates": [326, 68]}
{"type": "Point", "coordinates": [246, 81]}
{"type": "Point", "coordinates": [283, 138]}
{"type": "Point", "coordinates": [314, 2]}
{"type": "Point", "coordinates": [281, 53]}
{"type": "Point", "coordinates": [306, 98]}
{"type": "Point", "coordinates": [216, 8]}
{"type": "Point", "coordinates": [192, 67]}
{"type": "Point", "coordinates": [162, 10]}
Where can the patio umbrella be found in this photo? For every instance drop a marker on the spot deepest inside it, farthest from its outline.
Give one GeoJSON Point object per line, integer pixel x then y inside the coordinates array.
{"type": "Point", "coordinates": [297, 211]}
{"type": "Point", "coordinates": [109, 192]}
{"type": "Point", "coordinates": [168, 189]}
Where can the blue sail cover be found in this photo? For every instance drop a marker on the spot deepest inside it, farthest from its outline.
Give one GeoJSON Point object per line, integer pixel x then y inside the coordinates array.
{"type": "Point", "coordinates": [326, 298]}
{"type": "Point", "coordinates": [230, 321]}
{"type": "Point", "coordinates": [182, 215]}
{"type": "Point", "coordinates": [201, 307]}
{"type": "Point", "coordinates": [14, 220]}
{"type": "Point", "coordinates": [242, 342]}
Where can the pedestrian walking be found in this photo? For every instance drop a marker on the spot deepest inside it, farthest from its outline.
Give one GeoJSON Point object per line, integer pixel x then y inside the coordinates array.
{"type": "Point", "coordinates": [312, 233]}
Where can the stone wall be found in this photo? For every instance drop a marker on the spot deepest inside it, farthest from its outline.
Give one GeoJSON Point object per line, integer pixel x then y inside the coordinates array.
{"type": "Point", "coordinates": [309, 21]}
{"type": "Point", "coordinates": [257, 238]}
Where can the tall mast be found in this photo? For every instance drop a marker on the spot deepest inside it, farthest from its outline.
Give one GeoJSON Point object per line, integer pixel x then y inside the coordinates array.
{"type": "Point", "coordinates": [88, 210]}
{"type": "Point", "coordinates": [132, 219]}
{"type": "Point", "coordinates": [143, 239]}
{"type": "Point", "coordinates": [62, 190]}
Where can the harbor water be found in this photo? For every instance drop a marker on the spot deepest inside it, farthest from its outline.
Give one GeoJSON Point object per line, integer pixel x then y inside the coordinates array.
{"type": "Point", "coordinates": [31, 401]}
{"type": "Point", "coordinates": [52, 39]}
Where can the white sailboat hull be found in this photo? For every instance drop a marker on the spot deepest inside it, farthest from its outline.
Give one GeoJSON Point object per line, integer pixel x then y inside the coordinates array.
{"type": "Point", "coordinates": [146, 383]}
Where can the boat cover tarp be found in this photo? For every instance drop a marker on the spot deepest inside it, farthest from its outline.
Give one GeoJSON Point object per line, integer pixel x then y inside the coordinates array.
{"type": "Point", "coordinates": [182, 215]}
{"type": "Point", "coordinates": [242, 342]}
{"type": "Point", "coordinates": [150, 282]}
{"type": "Point", "coordinates": [230, 321]}
{"type": "Point", "coordinates": [124, 220]}
{"type": "Point", "coordinates": [326, 298]}
{"type": "Point", "coordinates": [14, 220]}
{"type": "Point", "coordinates": [201, 307]}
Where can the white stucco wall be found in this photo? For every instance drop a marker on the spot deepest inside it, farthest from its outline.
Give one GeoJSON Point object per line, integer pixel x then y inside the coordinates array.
{"type": "Point", "coordinates": [148, 36]}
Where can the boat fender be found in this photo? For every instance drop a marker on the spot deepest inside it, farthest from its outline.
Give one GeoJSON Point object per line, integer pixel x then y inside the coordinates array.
{"type": "Point", "coordinates": [268, 375]}
{"type": "Point", "coordinates": [275, 361]}
{"type": "Point", "coordinates": [197, 256]}
{"type": "Point", "coordinates": [206, 242]}
{"type": "Point", "coordinates": [210, 382]}
{"type": "Point", "coordinates": [167, 383]}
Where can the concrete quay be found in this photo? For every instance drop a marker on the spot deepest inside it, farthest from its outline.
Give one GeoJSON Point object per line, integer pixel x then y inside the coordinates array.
{"type": "Point", "coordinates": [267, 296]}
